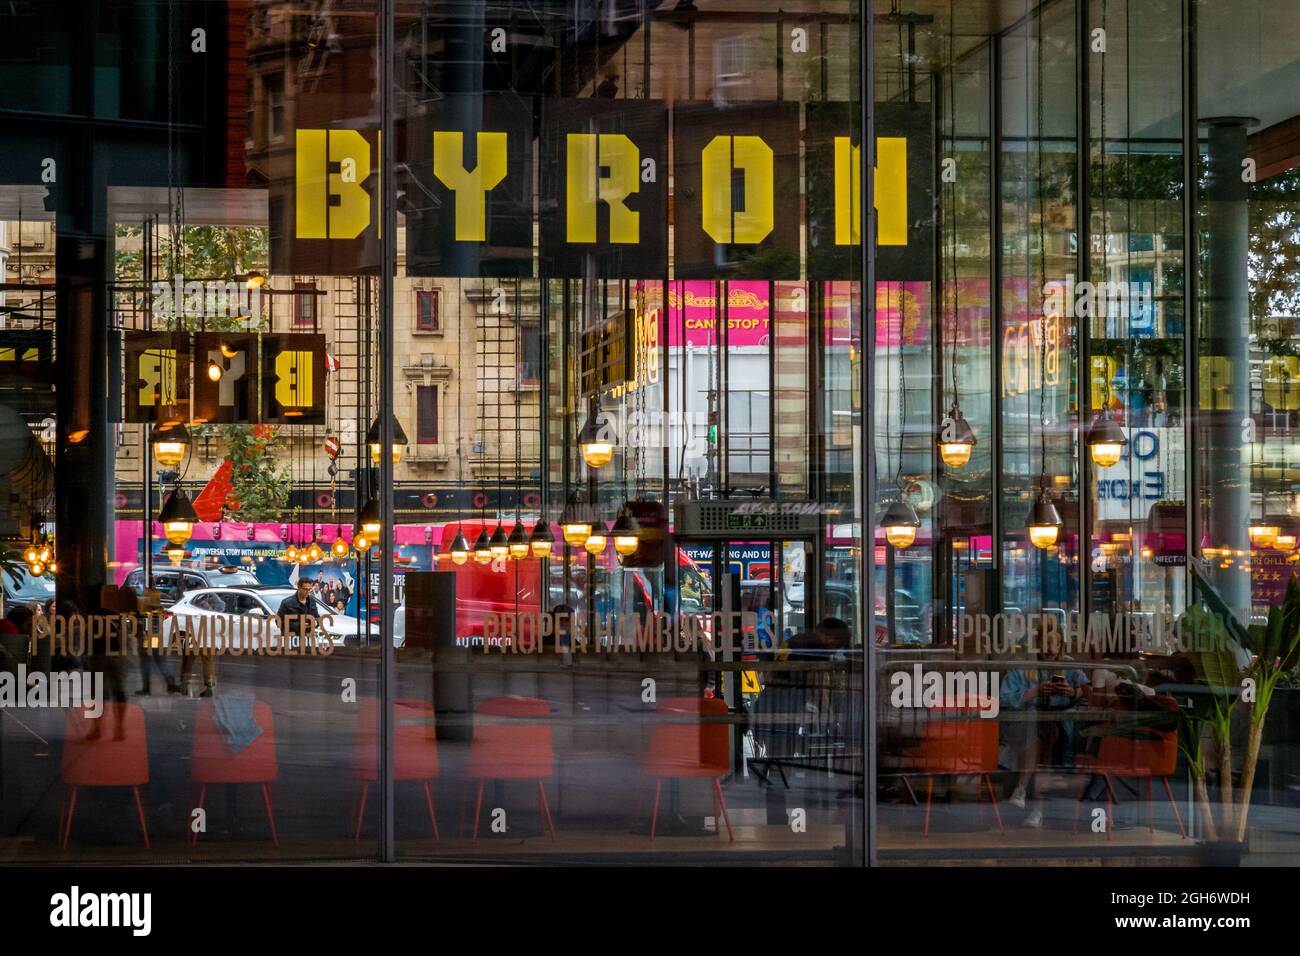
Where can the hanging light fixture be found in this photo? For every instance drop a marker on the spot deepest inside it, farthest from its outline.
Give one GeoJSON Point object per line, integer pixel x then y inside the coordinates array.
{"type": "Point", "coordinates": [371, 521]}
{"type": "Point", "coordinates": [178, 517]}
{"type": "Point", "coordinates": [900, 523]}
{"type": "Point", "coordinates": [215, 371]}
{"type": "Point", "coordinates": [175, 553]}
{"type": "Point", "coordinates": [291, 552]}
{"type": "Point", "coordinates": [314, 551]}
{"type": "Point", "coordinates": [1262, 534]}
{"type": "Point", "coordinates": [482, 548]}
{"type": "Point", "coordinates": [597, 540]}
{"type": "Point", "coordinates": [499, 545]}
{"type": "Point", "coordinates": [575, 524]}
{"type": "Point", "coordinates": [1284, 542]}
{"type": "Point", "coordinates": [340, 547]}
{"type": "Point", "coordinates": [518, 542]}
{"type": "Point", "coordinates": [459, 548]}
{"type": "Point", "coordinates": [542, 540]}
{"type": "Point", "coordinates": [360, 540]}
{"type": "Point", "coordinates": [1044, 522]}
{"type": "Point", "coordinates": [170, 442]}
{"type": "Point", "coordinates": [595, 441]}
{"type": "Point", "coordinates": [1106, 440]}
{"type": "Point", "coordinates": [626, 532]}
{"type": "Point", "coordinates": [375, 440]}
{"type": "Point", "coordinates": [956, 439]}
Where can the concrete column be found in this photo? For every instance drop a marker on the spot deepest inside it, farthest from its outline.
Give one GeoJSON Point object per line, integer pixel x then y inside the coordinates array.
{"type": "Point", "coordinates": [1224, 404]}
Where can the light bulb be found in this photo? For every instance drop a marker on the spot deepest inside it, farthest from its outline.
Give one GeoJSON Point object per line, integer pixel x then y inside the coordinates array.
{"type": "Point", "coordinates": [595, 543]}
{"type": "Point", "coordinates": [339, 548]}
{"type": "Point", "coordinates": [214, 371]}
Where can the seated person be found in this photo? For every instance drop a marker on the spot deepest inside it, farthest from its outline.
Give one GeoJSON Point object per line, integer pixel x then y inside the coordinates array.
{"type": "Point", "coordinates": [1036, 743]}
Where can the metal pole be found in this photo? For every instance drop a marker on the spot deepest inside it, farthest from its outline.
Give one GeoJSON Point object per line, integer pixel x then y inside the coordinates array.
{"type": "Point", "coordinates": [388, 263]}
{"type": "Point", "coordinates": [1083, 269]}
{"type": "Point", "coordinates": [867, 119]}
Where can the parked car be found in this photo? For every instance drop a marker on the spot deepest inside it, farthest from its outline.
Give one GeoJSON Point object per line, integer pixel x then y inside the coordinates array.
{"type": "Point", "coordinates": [28, 589]}
{"type": "Point", "coordinates": [256, 601]}
{"type": "Point", "coordinates": [172, 582]}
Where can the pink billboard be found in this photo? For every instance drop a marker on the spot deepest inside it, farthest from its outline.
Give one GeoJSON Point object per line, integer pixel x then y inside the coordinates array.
{"type": "Point", "coordinates": [693, 311]}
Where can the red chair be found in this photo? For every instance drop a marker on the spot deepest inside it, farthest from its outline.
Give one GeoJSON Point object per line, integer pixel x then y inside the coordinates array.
{"type": "Point", "coordinates": [956, 741]}
{"type": "Point", "coordinates": [692, 742]}
{"type": "Point", "coordinates": [106, 751]}
{"type": "Point", "coordinates": [415, 756]}
{"type": "Point", "coordinates": [512, 741]}
{"type": "Point", "coordinates": [214, 761]}
{"type": "Point", "coordinates": [1133, 758]}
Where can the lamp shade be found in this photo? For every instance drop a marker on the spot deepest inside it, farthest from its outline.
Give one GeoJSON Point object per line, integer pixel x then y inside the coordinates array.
{"type": "Point", "coordinates": [170, 443]}
{"type": "Point", "coordinates": [626, 533]}
{"type": "Point", "coordinates": [499, 544]}
{"type": "Point", "coordinates": [1045, 523]}
{"type": "Point", "coordinates": [459, 548]}
{"type": "Point", "coordinates": [375, 441]}
{"type": "Point", "coordinates": [955, 439]}
{"type": "Point", "coordinates": [482, 548]}
{"type": "Point", "coordinates": [900, 523]}
{"type": "Point", "coordinates": [575, 524]}
{"type": "Point", "coordinates": [371, 521]}
{"type": "Point", "coordinates": [1106, 441]}
{"type": "Point", "coordinates": [178, 517]}
{"type": "Point", "coordinates": [542, 540]}
{"type": "Point", "coordinates": [596, 442]}
{"type": "Point", "coordinates": [1262, 533]}
{"type": "Point", "coordinates": [518, 542]}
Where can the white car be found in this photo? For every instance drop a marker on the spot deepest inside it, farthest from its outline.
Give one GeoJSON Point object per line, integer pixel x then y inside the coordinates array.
{"type": "Point", "coordinates": [254, 602]}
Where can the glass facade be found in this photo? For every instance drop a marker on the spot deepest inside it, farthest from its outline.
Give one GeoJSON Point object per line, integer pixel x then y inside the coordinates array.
{"type": "Point", "coordinates": [452, 431]}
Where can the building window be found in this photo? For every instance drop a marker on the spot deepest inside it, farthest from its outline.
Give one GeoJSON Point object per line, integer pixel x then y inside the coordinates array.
{"type": "Point", "coordinates": [273, 87]}
{"type": "Point", "coordinates": [426, 414]}
{"type": "Point", "coordinates": [426, 311]}
{"type": "Point", "coordinates": [304, 304]}
{"type": "Point", "coordinates": [528, 358]}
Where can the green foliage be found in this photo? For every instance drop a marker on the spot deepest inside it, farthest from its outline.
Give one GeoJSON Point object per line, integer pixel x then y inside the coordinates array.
{"type": "Point", "coordinates": [261, 488]}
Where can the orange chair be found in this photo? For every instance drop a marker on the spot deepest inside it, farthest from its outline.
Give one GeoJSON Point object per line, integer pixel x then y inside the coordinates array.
{"type": "Point", "coordinates": [214, 761]}
{"type": "Point", "coordinates": [1141, 759]}
{"type": "Point", "coordinates": [415, 756]}
{"type": "Point", "coordinates": [512, 741]}
{"type": "Point", "coordinates": [107, 751]}
{"type": "Point", "coordinates": [955, 740]}
{"type": "Point", "coordinates": [692, 742]}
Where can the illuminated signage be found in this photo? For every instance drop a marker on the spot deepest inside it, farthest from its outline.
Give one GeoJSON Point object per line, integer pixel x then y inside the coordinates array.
{"type": "Point", "coordinates": [467, 190]}
{"type": "Point", "coordinates": [1026, 363]}
{"type": "Point", "coordinates": [165, 373]}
